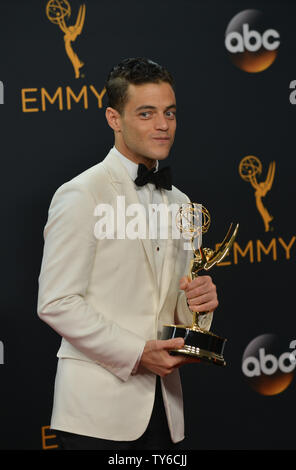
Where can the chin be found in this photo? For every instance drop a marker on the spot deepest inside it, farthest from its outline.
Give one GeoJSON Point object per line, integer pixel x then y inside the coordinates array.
{"type": "Point", "coordinates": [161, 154]}
{"type": "Point", "coordinates": [162, 157]}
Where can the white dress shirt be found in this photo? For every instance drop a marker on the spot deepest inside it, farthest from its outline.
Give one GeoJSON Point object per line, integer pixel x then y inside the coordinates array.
{"type": "Point", "coordinates": [148, 194]}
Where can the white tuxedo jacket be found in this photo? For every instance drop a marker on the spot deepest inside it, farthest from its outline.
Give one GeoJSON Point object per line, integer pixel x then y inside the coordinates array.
{"type": "Point", "coordinates": [102, 297]}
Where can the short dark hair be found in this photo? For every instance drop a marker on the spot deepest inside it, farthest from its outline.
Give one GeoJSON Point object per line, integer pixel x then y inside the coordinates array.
{"type": "Point", "coordinates": [137, 71]}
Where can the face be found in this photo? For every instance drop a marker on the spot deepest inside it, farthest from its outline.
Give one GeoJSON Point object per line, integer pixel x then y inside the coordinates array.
{"type": "Point", "coordinates": [145, 131]}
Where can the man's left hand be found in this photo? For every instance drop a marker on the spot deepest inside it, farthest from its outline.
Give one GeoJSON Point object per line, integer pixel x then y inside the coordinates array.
{"type": "Point", "coordinates": [201, 293]}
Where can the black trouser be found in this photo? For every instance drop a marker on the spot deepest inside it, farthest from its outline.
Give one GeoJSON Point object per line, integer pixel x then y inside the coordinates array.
{"type": "Point", "coordinates": [155, 437]}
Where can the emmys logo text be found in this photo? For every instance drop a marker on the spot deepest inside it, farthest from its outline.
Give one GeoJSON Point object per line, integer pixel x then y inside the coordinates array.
{"type": "Point", "coordinates": [268, 365]}
{"type": "Point", "coordinates": [1, 93]}
{"type": "Point", "coordinates": [160, 221]}
{"type": "Point", "coordinates": [38, 99]}
{"type": "Point", "coordinates": [1, 353]}
{"type": "Point", "coordinates": [251, 171]}
{"type": "Point", "coordinates": [60, 98]}
{"type": "Point", "coordinates": [256, 251]}
{"type": "Point", "coordinates": [251, 43]}
{"type": "Point", "coordinates": [48, 438]}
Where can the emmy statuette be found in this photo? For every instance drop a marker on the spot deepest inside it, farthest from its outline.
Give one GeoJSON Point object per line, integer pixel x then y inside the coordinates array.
{"type": "Point", "coordinates": [193, 220]}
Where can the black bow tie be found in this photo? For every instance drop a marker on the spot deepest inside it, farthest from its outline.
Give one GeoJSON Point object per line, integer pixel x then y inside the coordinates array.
{"type": "Point", "coordinates": [161, 178]}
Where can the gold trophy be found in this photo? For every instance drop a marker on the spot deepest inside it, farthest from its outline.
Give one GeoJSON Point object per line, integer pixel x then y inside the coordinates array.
{"type": "Point", "coordinates": [193, 220]}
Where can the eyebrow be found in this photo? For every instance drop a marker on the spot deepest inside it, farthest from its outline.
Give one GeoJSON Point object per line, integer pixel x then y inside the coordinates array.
{"type": "Point", "coordinates": [141, 108]}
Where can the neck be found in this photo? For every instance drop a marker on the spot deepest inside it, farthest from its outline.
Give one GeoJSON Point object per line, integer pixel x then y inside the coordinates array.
{"type": "Point", "coordinates": [148, 162]}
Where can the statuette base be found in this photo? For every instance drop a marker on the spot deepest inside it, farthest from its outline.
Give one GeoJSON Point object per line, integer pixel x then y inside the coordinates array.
{"type": "Point", "coordinates": [200, 344]}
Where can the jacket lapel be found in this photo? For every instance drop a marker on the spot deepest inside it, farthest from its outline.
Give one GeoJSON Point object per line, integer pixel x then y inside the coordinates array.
{"type": "Point", "coordinates": [170, 258]}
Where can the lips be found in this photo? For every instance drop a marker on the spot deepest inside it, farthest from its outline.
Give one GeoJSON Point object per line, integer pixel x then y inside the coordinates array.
{"type": "Point", "coordinates": [161, 139]}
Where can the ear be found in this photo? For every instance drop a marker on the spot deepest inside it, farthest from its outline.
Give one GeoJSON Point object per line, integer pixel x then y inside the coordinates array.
{"type": "Point", "coordinates": [113, 118]}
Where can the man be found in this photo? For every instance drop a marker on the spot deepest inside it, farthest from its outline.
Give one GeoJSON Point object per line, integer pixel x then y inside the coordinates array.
{"type": "Point", "coordinates": [117, 386]}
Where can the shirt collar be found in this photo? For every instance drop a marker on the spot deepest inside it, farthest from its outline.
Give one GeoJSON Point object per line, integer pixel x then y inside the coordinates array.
{"type": "Point", "coordinates": [131, 166]}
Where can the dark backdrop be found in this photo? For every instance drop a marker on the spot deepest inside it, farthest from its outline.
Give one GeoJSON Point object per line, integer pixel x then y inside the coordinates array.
{"type": "Point", "coordinates": [224, 115]}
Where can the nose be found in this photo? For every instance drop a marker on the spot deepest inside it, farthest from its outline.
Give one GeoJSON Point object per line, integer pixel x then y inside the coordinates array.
{"type": "Point", "coordinates": [161, 122]}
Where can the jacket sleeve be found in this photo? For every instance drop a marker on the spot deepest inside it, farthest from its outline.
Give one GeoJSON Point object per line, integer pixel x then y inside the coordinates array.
{"type": "Point", "coordinates": [69, 252]}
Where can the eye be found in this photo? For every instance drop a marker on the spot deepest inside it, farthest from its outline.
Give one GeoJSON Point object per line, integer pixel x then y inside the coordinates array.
{"type": "Point", "coordinates": [145, 114]}
{"type": "Point", "coordinates": [171, 114]}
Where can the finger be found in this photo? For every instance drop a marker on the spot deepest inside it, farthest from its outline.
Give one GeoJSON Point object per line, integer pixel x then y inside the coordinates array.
{"type": "Point", "coordinates": [184, 282]}
{"type": "Point", "coordinates": [201, 299]}
{"type": "Point", "coordinates": [198, 282]}
{"type": "Point", "coordinates": [199, 291]}
{"type": "Point", "coordinates": [178, 361]}
{"type": "Point", "coordinates": [204, 308]}
{"type": "Point", "coordinates": [174, 343]}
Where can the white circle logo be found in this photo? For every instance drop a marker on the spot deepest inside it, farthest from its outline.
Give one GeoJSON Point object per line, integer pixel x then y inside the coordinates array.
{"type": "Point", "coordinates": [268, 367]}
{"type": "Point", "coordinates": [251, 43]}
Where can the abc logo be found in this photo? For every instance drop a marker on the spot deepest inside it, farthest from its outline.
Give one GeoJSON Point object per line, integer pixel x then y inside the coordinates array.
{"type": "Point", "coordinates": [251, 43]}
{"type": "Point", "coordinates": [269, 365]}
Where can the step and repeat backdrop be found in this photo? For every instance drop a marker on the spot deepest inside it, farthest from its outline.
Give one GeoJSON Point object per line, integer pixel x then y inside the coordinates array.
{"type": "Point", "coordinates": [234, 64]}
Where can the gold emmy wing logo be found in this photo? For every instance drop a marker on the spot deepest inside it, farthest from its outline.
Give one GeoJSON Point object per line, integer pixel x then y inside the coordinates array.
{"type": "Point", "coordinates": [56, 12]}
{"type": "Point", "coordinates": [249, 168]}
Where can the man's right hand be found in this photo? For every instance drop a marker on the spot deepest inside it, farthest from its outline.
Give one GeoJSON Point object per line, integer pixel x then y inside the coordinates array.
{"type": "Point", "coordinates": [157, 359]}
